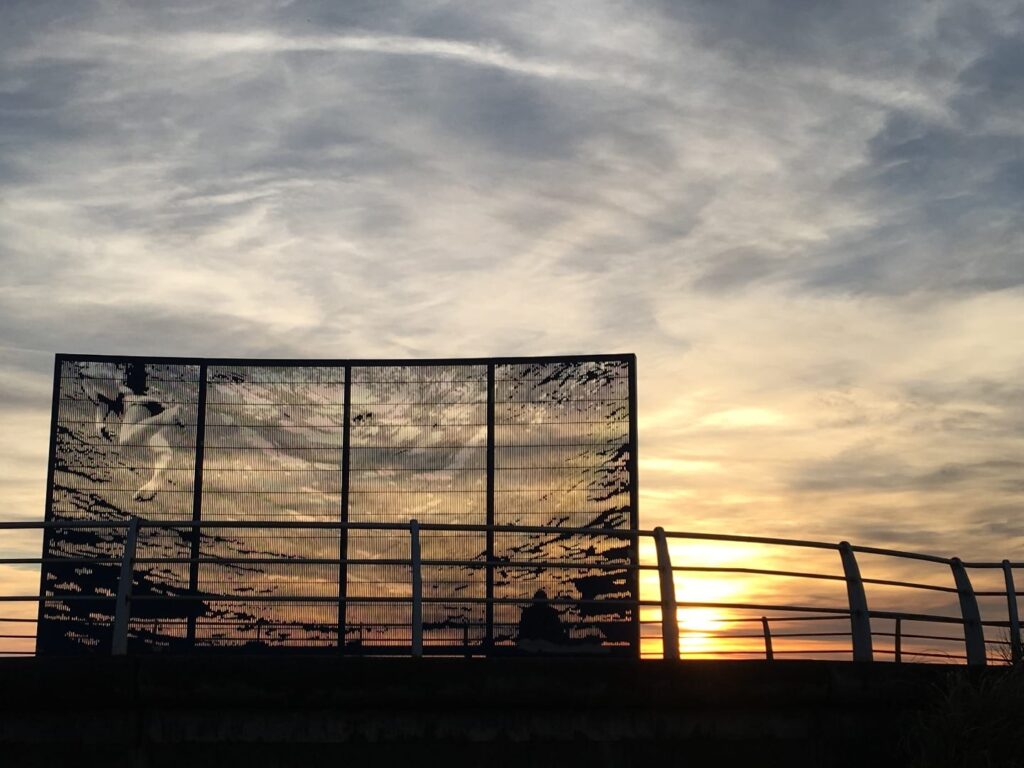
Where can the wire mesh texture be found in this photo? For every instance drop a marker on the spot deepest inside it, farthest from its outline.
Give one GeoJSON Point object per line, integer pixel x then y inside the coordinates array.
{"type": "Point", "coordinates": [510, 442]}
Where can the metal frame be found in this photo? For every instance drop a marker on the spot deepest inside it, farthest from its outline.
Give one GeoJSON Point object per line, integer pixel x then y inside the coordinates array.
{"type": "Point", "coordinates": [51, 463]}
{"type": "Point", "coordinates": [769, 652]}
{"type": "Point", "coordinates": [348, 364]}
{"type": "Point", "coordinates": [669, 611]}
{"type": "Point", "coordinates": [122, 606]}
{"type": "Point", "coordinates": [417, 588]}
{"type": "Point", "coordinates": [970, 619]}
{"type": "Point", "coordinates": [634, 493]}
{"type": "Point", "coordinates": [197, 495]}
{"type": "Point", "coordinates": [62, 357]}
{"type": "Point", "coordinates": [489, 515]}
{"type": "Point", "coordinates": [974, 635]}
{"type": "Point", "coordinates": [1016, 652]}
{"type": "Point", "coordinates": [860, 617]}
{"type": "Point", "coordinates": [346, 463]}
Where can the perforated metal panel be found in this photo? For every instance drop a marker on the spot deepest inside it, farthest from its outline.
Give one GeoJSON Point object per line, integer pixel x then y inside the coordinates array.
{"type": "Point", "coordinates": [508, 442]}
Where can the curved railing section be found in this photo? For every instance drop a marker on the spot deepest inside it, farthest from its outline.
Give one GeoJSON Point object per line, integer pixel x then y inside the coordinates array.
{"type": "Point", "coordinates": [680, 574]}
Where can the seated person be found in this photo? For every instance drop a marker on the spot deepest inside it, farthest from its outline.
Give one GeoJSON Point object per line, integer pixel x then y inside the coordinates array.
{"type": "Point", "coordinates": [540, 627]}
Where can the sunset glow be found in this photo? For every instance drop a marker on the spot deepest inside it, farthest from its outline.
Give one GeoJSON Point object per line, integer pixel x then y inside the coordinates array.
{"type": "Point", "coordinates": [807, 226]}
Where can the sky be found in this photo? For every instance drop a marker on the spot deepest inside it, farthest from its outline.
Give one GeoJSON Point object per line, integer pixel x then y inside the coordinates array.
{"type": "Point", "coordinates": [805, 218]}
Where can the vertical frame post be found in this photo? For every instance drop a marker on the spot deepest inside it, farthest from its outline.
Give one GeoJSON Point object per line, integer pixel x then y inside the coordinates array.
{"type": "Point", "coordinates": [769, 653]}
{"type": "Point", "coordinates": [197, 508]}
{"type": "Point", "coordinates": [974, 634]}
{"type": "Point", "coordinates": [346, 465]}
{"type": "Point", "coordinates": [860, 619]}
{"type": "Point", "coordinates": [898, 640]}
{"type": "Point", "coordinates": [417, 588]}
{"type": "Point", "coordinates": [634, 508]}
{"type": "Point", "coordinates": [489, 550]}
{"type": "Point", "coordinates": [42, 635]}
{"type": "Point", "coordinates": [1016, 652]}
{"type": "Point", "coordinates": [122, 608]}
{"type": "Point", "coordinates": [669, 615]}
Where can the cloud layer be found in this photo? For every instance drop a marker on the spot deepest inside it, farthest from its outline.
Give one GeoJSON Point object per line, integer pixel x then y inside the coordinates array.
{"type": "Point", "coordinates": [804, 217]}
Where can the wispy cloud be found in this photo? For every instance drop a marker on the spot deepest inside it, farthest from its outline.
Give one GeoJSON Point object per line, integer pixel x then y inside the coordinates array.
{"type": "Point", "coordinates": [804, 217]}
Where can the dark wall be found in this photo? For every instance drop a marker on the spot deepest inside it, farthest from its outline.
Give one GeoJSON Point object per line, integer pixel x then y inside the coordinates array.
{"type": "Point", "coordinates": [300, 711]}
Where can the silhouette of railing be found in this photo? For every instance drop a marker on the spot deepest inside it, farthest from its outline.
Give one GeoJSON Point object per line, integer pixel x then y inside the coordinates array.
{"type": "Point", "coordinates": [665, 606]}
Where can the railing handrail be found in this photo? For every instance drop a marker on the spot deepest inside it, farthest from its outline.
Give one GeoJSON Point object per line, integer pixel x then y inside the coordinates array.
{"type": "Point", "coordinates": [483, 528]}
{"type": "Point", "coordinates": [857, 611]}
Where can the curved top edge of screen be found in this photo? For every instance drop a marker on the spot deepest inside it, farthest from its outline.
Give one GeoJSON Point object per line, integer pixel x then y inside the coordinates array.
{"type": "Point", "coordinates": [626, 357]}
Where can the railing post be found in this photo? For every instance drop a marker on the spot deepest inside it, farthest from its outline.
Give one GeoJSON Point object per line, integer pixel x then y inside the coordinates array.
{"type": "Point", "coordinates": [898, 633]}
{"type": "Point", "coordinates": [343, 532]}
{"type": "Point", "coordinates": [489, 517]}
{"type": "Point", "coordinates": [1016, 653]}
{"type": "Point", "coordinates": [769, 654]}
{"type": "Point", "coordinates": [417, 588]}
{"type": "Point", "coordinates": [974, 634]}
{"type": "Point", "coordinates": [860, 619]}
{"type": "Point", "coordinates": [196, 533]}
{"type": "Point", "coordinates": [122, 606]}
{"type": "Point", "coordinates": [669, 617]}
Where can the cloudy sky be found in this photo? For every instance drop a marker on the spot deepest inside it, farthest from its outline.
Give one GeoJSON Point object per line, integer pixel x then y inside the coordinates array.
{"type": "Point", "coordinates": [804, 217]}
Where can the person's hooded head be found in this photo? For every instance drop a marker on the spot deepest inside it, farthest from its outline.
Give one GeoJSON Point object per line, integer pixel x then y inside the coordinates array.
{"type": "Point", "coordinates": [540, 596]}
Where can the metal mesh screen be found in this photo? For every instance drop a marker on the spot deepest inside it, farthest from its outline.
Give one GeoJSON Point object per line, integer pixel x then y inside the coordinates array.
{"type": "Point", "coordinates": [418, 450]}
{"type": "Point", "coordinates": [523, 442]}
{"type": "Point", "coordinates": [562, 459]}
{"type": "Point", "coordinates": [123, 444]}
{"type": "Point", "coordinates": [272, 451]}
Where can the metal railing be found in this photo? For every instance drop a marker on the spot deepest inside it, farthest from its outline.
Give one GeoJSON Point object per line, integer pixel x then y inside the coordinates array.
{"type": "Point", "coordinates": [855, 610]}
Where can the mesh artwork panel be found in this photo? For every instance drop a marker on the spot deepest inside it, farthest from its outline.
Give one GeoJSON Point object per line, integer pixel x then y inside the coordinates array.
{"type": "Point", "coordinates": [418, 451]}
{"type": "Point", "coordinates": [251, 450]}
{"type": "Point", "coordinates": [123, 446]}
{"type": "Point", "coordinates": [562, 459]}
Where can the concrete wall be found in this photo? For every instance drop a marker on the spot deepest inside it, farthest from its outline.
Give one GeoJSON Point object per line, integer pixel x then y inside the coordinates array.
{"type": "Point", "coordinates": [164, 711]}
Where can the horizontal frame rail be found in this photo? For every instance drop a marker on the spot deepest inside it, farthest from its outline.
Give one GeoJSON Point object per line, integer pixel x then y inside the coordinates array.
{"type": "Point", "coordinates": [768, 612]}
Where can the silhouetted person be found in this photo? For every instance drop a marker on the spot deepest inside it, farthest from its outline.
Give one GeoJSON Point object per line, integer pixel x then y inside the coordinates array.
{"type": "Point", "coordinates": [540, 625]}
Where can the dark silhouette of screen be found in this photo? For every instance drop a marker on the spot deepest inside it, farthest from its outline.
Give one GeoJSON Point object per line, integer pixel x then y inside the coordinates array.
{"type": "Point", "coordinates": [511, 442]}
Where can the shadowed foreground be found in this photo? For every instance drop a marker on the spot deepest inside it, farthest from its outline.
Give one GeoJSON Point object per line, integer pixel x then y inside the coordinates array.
{"type": "Point", "coordinates": [293, 711]}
